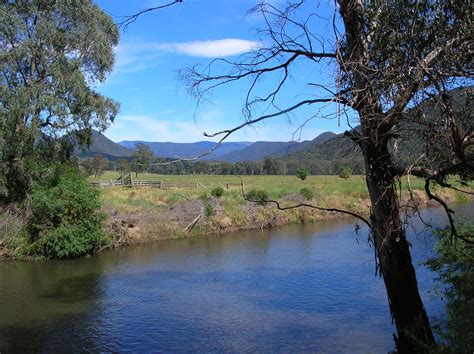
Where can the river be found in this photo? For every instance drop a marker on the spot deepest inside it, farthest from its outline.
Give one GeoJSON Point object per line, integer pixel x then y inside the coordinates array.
{"type": "Point", "coordinates": [304, 288]}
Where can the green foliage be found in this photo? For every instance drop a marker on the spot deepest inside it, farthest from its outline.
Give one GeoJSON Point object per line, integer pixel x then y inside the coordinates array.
{"type": "Point", "coordinates": [306, 193]}
{"type": "Point", "coordinates": [271, 166]}
{"type": "Point", "coordinates": [455, 266]}
{"type": "Point", "coordinates": [122, 165]}
{"type": "Point", "coordinates": [13, 233]}
{"type": "Point", "coordinates": [345, 173]}
{"type": "Point", "coordinates": [142, 157]}
{"type": "Point", "coordinates": [95, 166]}
{"type": "Point", "coordinates": [259, 196]}
{"type": "Point", "coordinates": [204, 197]}
{"type": "Point", "coordinates": [217, 192]}
{"type": "Point", "coordinates": [208, 210]}
{"type": "Point", "coordinates": [65, 220]}
{"type": "Point", "coordinates": [56, 50]}
{"type": "Point", "coordinates": [301, 173]}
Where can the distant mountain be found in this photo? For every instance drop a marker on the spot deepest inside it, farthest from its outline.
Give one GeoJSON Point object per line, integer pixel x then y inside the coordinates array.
{"type": "Point", "coordinates": [261, 149]}
{"type": "Point", "coordinates": [188, 150]}
{"type": "Point", "coordinates": [101, 145]}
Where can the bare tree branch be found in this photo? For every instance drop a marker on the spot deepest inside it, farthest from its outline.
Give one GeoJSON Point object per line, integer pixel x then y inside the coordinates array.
{"type": "Point", "coordinates": [128, 20]}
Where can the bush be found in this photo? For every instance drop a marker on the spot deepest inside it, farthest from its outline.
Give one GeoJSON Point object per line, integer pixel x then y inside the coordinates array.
{"type": "Point", "coordinates": [208, 210]}
{"type": "Point", "coordinates": [65, 220]}
{"type": "Point", "coordinates": [455, 266]}
{"type": "Point", "coordinates": [301, 173]}
{"type": "Point", "coordinates": [306, 193]}
{"type": "Point", "coordinates": [345, 173]}
{"type": "Point", "coordinates": [259, 196]}
{"type": "Point", "coordinates": [217, 192]}
{"type": "Point", "coordinates": [13, 233]}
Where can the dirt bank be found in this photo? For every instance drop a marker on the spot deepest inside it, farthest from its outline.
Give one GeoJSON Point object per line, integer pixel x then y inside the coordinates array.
{"type": "Point", "coordinates": [213, 215]}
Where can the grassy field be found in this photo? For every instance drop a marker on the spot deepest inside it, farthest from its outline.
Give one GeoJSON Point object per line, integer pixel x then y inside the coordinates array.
{"type": "Point", "coordinates": [275, 186]}
{"type": "Point", "coordinates": [164, 213]}
{"type": "Point", "coordinates": [326, 190]}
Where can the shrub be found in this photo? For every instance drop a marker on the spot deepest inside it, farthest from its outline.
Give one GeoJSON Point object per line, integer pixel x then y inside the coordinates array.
{"type": "Point", "coordinates": [306, 193]}
{"type": "Point", "coordinates": [345, 173]}
{"type": "Point", "coordinates": [455, 266]}
{"type": "Point", "coordinates": [65, 220]}
{"type": "Point", "coordinates": [13, 234]}
{"type": "Point", "coordinates": [259, 196]}
{"type": "Point", "coordinates": [217, 192]}
{"type": "Point", "coordinates": [301, 173]}
{"type": "Point", "coordinates": [208, 210]}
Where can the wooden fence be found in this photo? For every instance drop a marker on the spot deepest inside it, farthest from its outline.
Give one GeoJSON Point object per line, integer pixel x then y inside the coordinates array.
{"type": "Point", "coordinates": [128, 181]}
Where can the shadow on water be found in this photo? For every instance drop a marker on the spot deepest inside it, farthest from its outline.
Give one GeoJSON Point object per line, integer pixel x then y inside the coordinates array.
{"type": "Point", "coordinates": [297, 288]}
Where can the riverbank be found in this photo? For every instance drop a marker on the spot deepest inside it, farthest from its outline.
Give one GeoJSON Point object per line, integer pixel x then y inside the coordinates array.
{"type": "Point", "coordinates": [144, 214]}
{"type": "Point", "coordinates": [216, 205]}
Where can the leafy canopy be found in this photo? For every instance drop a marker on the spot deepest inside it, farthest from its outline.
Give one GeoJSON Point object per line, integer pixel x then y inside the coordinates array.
{"type": "Point", "coordinates": [51, 52]}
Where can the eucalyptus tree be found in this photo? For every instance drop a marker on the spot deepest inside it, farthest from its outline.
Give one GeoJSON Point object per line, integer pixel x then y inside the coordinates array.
{"type": "Point", "coordinates": [51, 54]}
{"type": "Point", "coordinates": [388, 57]}
{"type": "Point", "coordinates": [143, 158]}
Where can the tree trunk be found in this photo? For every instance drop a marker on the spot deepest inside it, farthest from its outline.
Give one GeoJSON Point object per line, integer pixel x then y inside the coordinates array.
{"type": "Point", "coordinates": [393, 253]}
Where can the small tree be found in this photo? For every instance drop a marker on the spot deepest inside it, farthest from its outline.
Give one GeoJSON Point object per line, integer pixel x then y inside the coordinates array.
{"type": "Point", "coordinates": [301, 173]}
{"type": "Point", "coordinates": [88, 166]}
{"type": "Point", "coordinates": [122, 165]}
{"type": "Point", "coordinates": [142, 158]}
{"type": "Point", "coordinates": [345, 173]}
{"type": "Point", "coordinates": [99, 165]}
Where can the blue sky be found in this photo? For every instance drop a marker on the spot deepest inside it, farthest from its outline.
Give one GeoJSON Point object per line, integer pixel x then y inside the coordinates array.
{"type": "Point", "coordinates": [155, 104]}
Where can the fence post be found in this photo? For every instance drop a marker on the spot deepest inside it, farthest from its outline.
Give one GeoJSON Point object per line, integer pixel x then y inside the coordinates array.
{"type": "Point", "coordinates": [197, 186]}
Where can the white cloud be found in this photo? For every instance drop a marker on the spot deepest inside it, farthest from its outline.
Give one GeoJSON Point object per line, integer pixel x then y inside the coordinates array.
{"type": "Point", "coordinates": [210, 49]}
{"type": "Point", "coordinates": [139, 56]}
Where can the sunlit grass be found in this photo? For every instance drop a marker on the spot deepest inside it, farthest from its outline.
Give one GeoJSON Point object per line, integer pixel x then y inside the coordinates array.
{"type": "Point", "coordinates": [327, 190]}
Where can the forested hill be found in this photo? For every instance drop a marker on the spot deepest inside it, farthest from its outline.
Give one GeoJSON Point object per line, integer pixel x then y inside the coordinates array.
{"type": "Point", "coordinates": [261, 149]}
{"type": "Point", "coordinates": [328, 156]}
{"type": "Point", "coordinates": [338, 152]}
{"type": "Point", "coordinates": [101, 145]}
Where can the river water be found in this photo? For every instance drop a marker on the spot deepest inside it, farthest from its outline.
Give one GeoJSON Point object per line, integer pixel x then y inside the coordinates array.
{"type": "Point", "coordinates": [293, 289]}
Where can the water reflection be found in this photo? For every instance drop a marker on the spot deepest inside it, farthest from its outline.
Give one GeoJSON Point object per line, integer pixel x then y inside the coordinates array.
{"type": "Point", "coordinates": [301, 288]}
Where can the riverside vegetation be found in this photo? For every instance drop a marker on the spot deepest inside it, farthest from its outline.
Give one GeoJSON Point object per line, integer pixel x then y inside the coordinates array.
{"type": "Point", "coordinates": [64, 217]}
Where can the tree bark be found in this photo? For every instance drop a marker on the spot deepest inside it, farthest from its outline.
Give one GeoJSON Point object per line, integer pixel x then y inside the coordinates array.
{"type": "Point", "coordinates": [393, 253]}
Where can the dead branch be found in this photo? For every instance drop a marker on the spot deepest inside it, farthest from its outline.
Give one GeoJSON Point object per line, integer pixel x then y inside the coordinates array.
{"type": "Point", "coordinates": [128, 20]}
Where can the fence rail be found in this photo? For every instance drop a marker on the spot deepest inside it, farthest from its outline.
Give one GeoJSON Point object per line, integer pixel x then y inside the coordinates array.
{"type": "Point", "coordinates": [128, 181]}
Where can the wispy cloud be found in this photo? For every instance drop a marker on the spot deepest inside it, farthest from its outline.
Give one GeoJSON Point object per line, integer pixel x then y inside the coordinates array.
{"type": "Point", "coordinates": [210, 49]}
{"type": "Point", "coordinates": [139, 56]}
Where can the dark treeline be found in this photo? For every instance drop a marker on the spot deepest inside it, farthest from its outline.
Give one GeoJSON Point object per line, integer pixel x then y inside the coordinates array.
{"type": "Point", "coordinates": [269, 166]}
